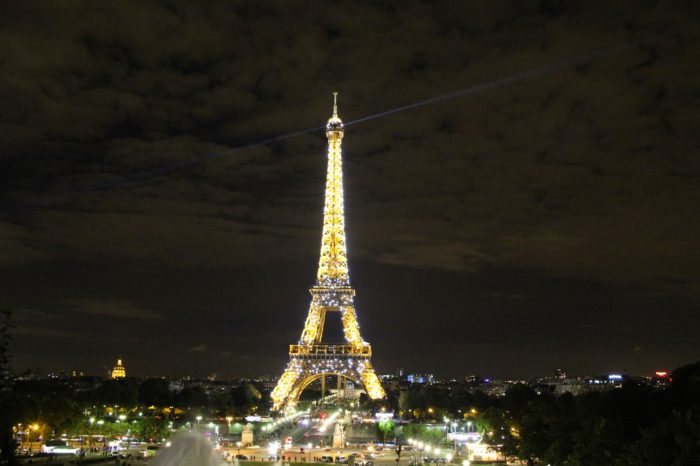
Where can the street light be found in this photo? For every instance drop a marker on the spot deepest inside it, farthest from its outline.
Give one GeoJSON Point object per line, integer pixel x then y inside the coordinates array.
{"type": "Point", "coordinates": [229, 419]}
{"type": "Point", "coordinates": [33, 427]}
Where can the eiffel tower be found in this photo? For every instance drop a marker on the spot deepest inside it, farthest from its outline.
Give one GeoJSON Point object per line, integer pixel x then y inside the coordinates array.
{"type": "Point", "coordinates": [311, 359]}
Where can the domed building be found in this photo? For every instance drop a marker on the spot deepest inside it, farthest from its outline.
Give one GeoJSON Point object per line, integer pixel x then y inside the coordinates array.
{"type": "Point", "coordinates": [119, 371]}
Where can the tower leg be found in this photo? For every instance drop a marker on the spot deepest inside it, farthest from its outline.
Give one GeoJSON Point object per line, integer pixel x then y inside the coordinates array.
{"type": "Point", "coordinates": [284, 387]}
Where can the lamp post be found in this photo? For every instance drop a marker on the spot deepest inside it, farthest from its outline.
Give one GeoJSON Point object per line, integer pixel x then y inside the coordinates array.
{"type": "Point", "coordinates": [198, 418]}
{"type": "Point", "coordinates": [229, 419]}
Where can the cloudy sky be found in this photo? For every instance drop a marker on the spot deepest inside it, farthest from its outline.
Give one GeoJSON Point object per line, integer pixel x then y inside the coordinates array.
{"type": "Point", "coordinates": [547, 222]}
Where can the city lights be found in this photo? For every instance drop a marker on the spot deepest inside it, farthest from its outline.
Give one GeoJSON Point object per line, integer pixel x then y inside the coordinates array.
{"type": "Point", "coordinates": [521, 182]}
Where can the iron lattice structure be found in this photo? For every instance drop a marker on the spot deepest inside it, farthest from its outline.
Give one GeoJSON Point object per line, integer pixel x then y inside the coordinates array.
{"type": "Point", "coordinates": [311, 359]}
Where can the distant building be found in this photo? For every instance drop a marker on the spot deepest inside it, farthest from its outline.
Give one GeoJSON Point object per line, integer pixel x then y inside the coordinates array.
{"type": "Point", "coordinates": [605, 382]}
{"type": "Point", "coordinates": [661, 379]}
{"type": "Point", "coordinates": [119, 372]}
{"type": "Point", "coordinates": [473, 380]}
{"type": "Point", "coordinates": [420, 378]}
{"type": "Point", "coordinates": [559, 385]}
{"type": "Point", "coordinates": [176, 386]}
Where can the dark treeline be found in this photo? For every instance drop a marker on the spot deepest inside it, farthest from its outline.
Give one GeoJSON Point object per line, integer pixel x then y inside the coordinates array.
{"type": "Point", "coordinates": [60, 404]}
{"type": "Point", "coordinates": [632, 425]}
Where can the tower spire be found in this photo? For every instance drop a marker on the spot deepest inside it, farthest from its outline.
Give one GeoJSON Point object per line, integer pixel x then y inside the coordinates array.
{"type": "Point", "coordinates": [333, 262]}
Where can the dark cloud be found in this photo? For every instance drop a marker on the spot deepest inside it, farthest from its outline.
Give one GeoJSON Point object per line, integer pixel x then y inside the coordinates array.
{"type": "Point", "coordinates": [44, 332]}
{"type": "Point", "coordinates": [585, 179]}
{"type": "Point", "coordinates": [121, 309]}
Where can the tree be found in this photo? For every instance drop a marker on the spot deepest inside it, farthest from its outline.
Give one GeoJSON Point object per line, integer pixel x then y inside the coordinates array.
{"type": "Point", "coordinates": [429, 434]}
{"type": "Point", "coordinates": [193, 396]}
{"type": "Point", "coordinates": [122, 392]}
{"type": "Point", "coordinates": [386, 426]}
{"type": "Point", "coordinates": [151, 429]}
{"type": "Point", "coordinates": [533, 431]}
{"type": "Point", "coordinates": [7, 439]}
{"type": "Point", "coordinates": [518, 396]}
{"type": "Point", "coordinates": [685, 385]}
{"type": "Point", "coordinates": [672, 442]}
{"type": "Point", "coordinates": [245, 397]}
{"type": "Point", "coordinates": [155, 392]}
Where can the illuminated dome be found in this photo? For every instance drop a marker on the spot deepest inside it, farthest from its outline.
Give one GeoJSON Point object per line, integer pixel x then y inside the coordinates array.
{"type": "Point", "coordinates": [119, 372]}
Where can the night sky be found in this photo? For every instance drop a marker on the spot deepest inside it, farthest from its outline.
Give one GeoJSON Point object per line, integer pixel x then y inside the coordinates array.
{"type": "Point", "coordinates": [549, 222]}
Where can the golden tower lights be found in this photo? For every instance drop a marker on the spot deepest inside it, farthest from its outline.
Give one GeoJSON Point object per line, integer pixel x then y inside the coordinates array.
{"type": "Point", "coordinates": [311, 359]}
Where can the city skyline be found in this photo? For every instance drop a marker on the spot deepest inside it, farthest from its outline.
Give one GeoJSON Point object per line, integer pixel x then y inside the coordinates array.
{"type": "Point", "coordinates": [542, 223]}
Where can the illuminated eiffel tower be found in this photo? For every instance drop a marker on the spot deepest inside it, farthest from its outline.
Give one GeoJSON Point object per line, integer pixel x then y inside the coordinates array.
{"type": "Point", "coordinates": [310, 358]}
